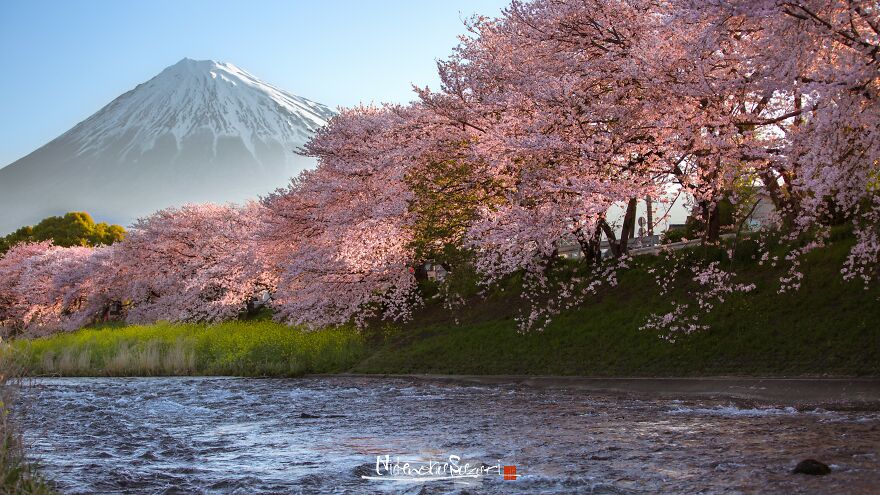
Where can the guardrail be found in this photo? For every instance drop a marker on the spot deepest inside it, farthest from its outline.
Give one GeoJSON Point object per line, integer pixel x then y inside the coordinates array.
{"type": "Point", "coordinates": [672, 246]}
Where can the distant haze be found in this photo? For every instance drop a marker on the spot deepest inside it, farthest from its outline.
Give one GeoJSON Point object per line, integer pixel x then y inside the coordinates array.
{"type": "Point", "coordinates": [199, 131]}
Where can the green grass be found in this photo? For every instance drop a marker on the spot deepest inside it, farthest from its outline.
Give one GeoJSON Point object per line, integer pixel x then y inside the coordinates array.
{"type": "Point", "coordinates": [828, 327]}
{"type": "Point", "coordinates": [244, 348]}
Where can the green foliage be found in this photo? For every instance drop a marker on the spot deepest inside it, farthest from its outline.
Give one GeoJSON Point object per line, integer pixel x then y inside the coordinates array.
{"type": "Point", "coordinates": [677, 235]}
{"type": "Point", "coordinates": [72, 229]}
{"type": "Point", "coordinates": [464, 281]}
{"type": "Point", "coordinates": [446, 197]}
{"type": "Point", "coordinates": [726, 212]}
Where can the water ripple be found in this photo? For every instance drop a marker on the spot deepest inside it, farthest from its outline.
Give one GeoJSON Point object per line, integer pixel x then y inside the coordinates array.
{"type": "Point", "coordinates": [320, 435]}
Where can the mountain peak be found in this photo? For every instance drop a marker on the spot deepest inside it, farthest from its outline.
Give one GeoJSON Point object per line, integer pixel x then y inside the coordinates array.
{"type": "Point", "coordinates": [203, 96]}
{"type": "Point", "coordinates": [191, 65]}
{"type": "Point", "coordinates": [192, 61]}
{"type": "Point", "coordinates": [200, 130]}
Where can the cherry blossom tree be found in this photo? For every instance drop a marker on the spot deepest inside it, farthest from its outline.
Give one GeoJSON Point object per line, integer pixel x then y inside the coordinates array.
{"type": "Point", "coordinates": [784, 92]}
{"type": "Point", "coordinates": [196, 263]}
{"type": "Point", "coordinates": [553, 96]}
{"type": "Point", "coordinates": [57, 285]}
{"type": "Point", "coordinates": [346, 224]}
{"type": "Point", "coordinates": [14, 303]}
{"type": "Point", "coordinates": [49, 288]}
{"type": "Point", "coordinates": [556, 100]}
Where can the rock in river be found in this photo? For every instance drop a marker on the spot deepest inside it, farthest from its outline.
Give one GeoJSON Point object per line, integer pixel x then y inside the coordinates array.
{"type": "Point", "coordinates": [811, 466]}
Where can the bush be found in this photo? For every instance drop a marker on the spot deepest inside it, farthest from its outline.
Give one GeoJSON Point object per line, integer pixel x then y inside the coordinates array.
{"type": "Point", "coordinates": [72, 229]}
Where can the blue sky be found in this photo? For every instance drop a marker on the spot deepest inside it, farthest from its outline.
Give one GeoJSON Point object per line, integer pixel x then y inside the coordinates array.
{"type": "Point", "coordinates": [62, 60]}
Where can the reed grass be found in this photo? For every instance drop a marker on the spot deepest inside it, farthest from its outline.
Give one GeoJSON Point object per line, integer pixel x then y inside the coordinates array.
{"type": "Point", "coordinates": [241, 348]}
{"type": "Point", "coordinates": [18, 476]}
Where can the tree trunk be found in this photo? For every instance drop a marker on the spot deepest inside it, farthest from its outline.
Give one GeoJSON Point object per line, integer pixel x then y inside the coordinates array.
{"type": "Point", "coordinates": [649, 215]}
{"type": "Point", "coordinates": [629, 224]}
{"type": "Point", "coordinates": [712, 221]}
{"type": "Point", "coordinates": [550, 261]}
{"type": "Point", "coordinates": [420, 272]}
{"type": "Point", "coordinates": [590, 245]}
{"type": "Point", "coordinates": [613, 245]}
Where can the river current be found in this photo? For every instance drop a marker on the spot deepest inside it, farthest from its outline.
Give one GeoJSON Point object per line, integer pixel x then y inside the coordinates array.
{"type": "Point", "coordinates": [323, 435]}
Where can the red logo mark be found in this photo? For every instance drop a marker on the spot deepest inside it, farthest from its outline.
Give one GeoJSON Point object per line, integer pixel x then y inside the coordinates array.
{"type": "Point", "coordinates": [510, 473]}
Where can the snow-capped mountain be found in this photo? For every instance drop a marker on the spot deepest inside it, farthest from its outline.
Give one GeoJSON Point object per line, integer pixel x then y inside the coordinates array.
{"type": "Point", "coordinates": [199, 131]}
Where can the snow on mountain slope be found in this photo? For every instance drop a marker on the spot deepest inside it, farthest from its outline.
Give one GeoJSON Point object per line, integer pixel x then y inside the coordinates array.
{"type": "Point", "coordinates": [198, 131]}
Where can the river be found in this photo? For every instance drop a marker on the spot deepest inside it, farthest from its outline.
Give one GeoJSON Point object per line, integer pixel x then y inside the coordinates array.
{"type": "Point", "coordinates": [323, 435]}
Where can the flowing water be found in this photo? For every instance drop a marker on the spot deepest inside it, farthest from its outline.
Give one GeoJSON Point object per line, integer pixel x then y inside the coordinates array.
{"type": "Point", "coordinates": [323, 435]}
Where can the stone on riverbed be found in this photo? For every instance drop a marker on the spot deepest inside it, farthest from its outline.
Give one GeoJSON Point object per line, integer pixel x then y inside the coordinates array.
{"type": "Point", "coordinates": [811, 466]}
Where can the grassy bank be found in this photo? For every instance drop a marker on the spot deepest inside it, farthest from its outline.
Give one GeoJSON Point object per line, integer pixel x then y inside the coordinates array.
{"type": "Point", "coordinates": [245, 348]}
{"type": "Point", "coordinates": [828, 327]}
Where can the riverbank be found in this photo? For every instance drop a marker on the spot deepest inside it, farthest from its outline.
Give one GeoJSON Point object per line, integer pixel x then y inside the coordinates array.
{"type": "Point", "coordinates": [827, 328]}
